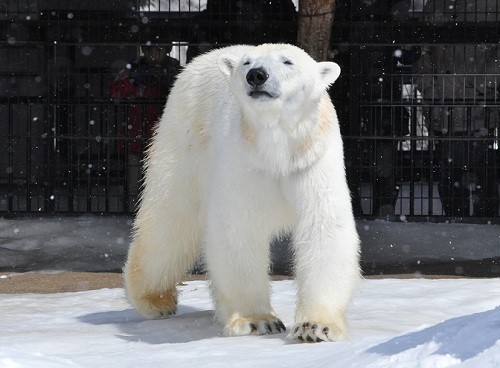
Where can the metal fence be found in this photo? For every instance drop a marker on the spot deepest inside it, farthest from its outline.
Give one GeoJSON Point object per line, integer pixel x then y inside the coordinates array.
{"type": "Point", "coordinates": [82, 83]}
{"type": "Point", "coordinates": [419, 101]}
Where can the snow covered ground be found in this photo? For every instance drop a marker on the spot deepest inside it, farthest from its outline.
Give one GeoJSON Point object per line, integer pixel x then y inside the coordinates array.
{"type": "Point", "coordinates": [394, 323]}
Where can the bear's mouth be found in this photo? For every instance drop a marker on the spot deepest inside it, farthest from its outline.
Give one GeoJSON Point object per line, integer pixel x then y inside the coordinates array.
{"type": "Point", "coordinates": [260, 95]}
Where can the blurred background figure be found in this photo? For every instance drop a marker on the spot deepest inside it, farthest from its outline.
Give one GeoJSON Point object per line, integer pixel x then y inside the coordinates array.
{"type": "Point", "coordinates": [150, 77]}
{"type": "Point", "coordinates": [146, 82]}
{"type": "Point", "coordinates": [381, 115]}
{"type": "Point", "coordinates": [459, 82]}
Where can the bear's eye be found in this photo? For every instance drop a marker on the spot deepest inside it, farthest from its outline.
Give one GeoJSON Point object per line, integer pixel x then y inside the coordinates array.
{"type": "Point", "coordinates": [246, 63]}
{"type": "Point", "coordinates": [287, 62]}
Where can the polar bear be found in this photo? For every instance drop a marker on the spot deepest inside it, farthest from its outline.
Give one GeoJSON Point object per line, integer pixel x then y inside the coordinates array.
{"type": "Point", "coordinates": [248, 147]}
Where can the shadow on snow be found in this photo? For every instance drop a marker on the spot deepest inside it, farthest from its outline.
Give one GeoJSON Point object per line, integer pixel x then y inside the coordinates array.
{"type": "Point", "coordinates": [189, 324]}
{"type": "Point", "coordinates": [461, 337]}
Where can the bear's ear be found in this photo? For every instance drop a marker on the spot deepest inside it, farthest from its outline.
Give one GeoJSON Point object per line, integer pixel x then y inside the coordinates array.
{"type": "Point", "coordinates": [227, 63]}
{"type": "Point", "coordinates": [329, 71]}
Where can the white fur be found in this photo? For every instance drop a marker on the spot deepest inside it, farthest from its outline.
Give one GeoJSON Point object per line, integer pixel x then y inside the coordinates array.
{"type": "Point", "coordinates": [230, 172]}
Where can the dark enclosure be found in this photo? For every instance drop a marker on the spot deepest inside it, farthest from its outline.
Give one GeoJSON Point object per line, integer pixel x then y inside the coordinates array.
{"type": "Point", "coordinates": [82, 84]}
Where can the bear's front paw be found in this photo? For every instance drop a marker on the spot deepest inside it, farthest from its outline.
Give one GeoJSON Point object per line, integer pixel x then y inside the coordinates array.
{"type": "Point", "coordinates": [316, 332]}
{"type": "Point", "coordinates": [257, 325]}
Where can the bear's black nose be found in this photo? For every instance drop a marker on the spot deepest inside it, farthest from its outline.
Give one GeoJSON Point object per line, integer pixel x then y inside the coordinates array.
{"type": "Point", "coordinates": [256, 77]}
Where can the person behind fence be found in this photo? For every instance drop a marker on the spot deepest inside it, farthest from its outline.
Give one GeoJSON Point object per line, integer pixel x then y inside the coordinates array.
{"type": "Point", "coordinates": [379, 121]}
{"type": "Point", "coordinates": [145, 82]}
{"type": "Point", "coordinates": [150, 77]}
{"type": "Point", "coordinates": [460, 85]}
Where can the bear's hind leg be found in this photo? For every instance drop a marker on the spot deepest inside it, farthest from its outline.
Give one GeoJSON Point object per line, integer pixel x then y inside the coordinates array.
{"type": "Point", "coordinates": [160, 255]}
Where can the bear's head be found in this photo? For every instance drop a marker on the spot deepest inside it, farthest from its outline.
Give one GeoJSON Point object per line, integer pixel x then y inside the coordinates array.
{"type": "Point", "coordinates": [277, 76]}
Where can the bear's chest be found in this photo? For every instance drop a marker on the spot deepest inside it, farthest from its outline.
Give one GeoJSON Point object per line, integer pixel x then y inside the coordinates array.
{"type": "Point", "coordinates": [270, 150]}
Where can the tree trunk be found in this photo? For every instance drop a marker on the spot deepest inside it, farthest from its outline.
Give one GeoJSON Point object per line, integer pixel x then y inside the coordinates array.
{"type": "Point", "coordinates": [315, 25]}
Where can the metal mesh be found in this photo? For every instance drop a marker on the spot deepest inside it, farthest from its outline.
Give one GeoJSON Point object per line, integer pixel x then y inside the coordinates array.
{"type": "Point", "coordinates": [417, 99]}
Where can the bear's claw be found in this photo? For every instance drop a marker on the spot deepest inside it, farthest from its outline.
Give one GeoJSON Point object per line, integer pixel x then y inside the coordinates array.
{"type": "Point", "coordinates": [254, 326]}
{"type": "Point", "coordinates": [157, 305]}
{"type": "Point", "coordinates": [267, 328]}
{"type": "Point", "coordinates": [316, 332]}
{"type": "Point", "coordinates": [168, 313]}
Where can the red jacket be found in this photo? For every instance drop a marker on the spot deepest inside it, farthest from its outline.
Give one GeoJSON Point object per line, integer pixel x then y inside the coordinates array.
{"type": "Point", "coordinates": [142, 117]}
